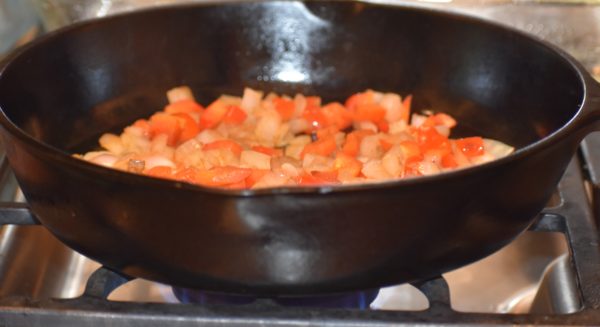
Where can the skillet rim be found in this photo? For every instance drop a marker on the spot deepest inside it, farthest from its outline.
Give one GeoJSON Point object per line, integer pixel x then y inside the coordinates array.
{"type": "Point", "coordinates": [68, 160]}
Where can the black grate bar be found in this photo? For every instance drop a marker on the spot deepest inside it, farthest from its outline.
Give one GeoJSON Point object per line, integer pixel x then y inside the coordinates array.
{"type": "Point", "coordinates": [16, 213]}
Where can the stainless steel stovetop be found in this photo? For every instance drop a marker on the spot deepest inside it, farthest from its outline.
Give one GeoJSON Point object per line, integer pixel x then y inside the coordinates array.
{"type": "Point", "coordinates": [549, 275]}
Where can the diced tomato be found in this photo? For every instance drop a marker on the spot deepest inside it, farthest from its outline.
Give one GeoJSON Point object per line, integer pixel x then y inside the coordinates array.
{"type": "Point", "coordinates": [429, 139]}
{"type": "Point", "coordinates": [235, 115]}
{"type": "Point", "coordinates": [313, 101]}
{"type": "Point", "coordinates": [385, 145]}
{"type": "Point", "coordinates": [335, 114]}
{"type": "Point", "coordinates": [412, 169]}
{"type": "Point", "coordinates": [162, 123]}
{"type": "Point", "coordinates": [314, 179]}
{"type": "Point", "coordinates": [359, 99]}
{"type": "Point", "coordinates": [284, 107]}
{"type": "Point", "coordinates": [316, 119]}
{"type": "Point", "coordinates": [160, 171]}
{"type": "Point", "coordinates": [353, 139]}
{"type": "Point", "coordinates": [470, 146]}
{"type": "Point", "coordinates": [440, 119]}
{"type": "Point", "coordinates": [327, 132]}
{"type": "Point", "coordinates": [217, 176]}
{"type": "Point", "coordinates": [328, 176]}
{"type": "Point", "coordinates": [411, 151]}
{"type": "Point", "coordinates": [190, 175]}
{"type": "Point", "coordinates": [224, 144]}
{"type": "Point", "coordinates": [347, 166]}
{"type": "Point", "coordinates": [236, 186]}
{"type": "Point", "coordinates": [351, 145]}
{"type": "Point", "coordinates": [322, 147]}
{"type": "Point", "coordinates": [267, 150]}
{"type": "Point", "coordinates": [213, 114]}
{"type": "Point", "coordinates": [369, 112]}
{"type": "Point", "coordinates": [448, 161]}
{"type": "Point", "coordinates": [188, 126]}
{"type": "Point", "coordinates": [183, 106]}
{"type": "Point", "coordinates": [255, 176]}
{"type": "Point", "coordinates": [383, 126]}
{"type": "Point", "coordinates": [229, 175]}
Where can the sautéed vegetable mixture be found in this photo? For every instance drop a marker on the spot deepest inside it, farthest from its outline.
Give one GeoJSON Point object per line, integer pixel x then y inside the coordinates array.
{"type": "Point", "coordinates": [258, 141]}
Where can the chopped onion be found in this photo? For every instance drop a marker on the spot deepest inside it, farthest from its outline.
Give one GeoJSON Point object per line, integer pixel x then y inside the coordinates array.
{"type": "Point", "coordinates": [496, 148]}
{"type": "Point", "coordinates": [417, 120]}
{"type": "Point", "coordinates": [112, 143]}
{"type": "Point", "coordinates": [267, 128]}
{"type": "Point", "coordinates": [374, 169]}
{"type": "Point", "coordinates": [157, 160]}
{"type": "Point", "coordinates": [180, 93]}
{"type": "Point", "coordinates": [393, 161]}
{"type": "Point", "coordinates": [254, 159]}
{"type": "Point", "coordinates": [312, 162]}
{"type": "Point", "coordinates": [370, 147]}
{"type": "Point", "coordinates": [393, 107]}
{"type": "Point", "coordinates": [209, 136]}
{"type": "Point", "coordinates": [250, 100]}
{"type": "Point", "coordinates": [101, 158]}
{"type": "Point", "coordinates": [428, 168]}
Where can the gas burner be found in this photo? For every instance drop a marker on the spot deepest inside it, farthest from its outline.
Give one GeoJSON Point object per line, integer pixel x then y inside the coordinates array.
{"type": "Point", "coordinates": [353, 300]}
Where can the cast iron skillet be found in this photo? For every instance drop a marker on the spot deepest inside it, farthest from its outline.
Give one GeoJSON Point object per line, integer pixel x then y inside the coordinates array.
{"type": "Point", "coordinates": [60, 93]}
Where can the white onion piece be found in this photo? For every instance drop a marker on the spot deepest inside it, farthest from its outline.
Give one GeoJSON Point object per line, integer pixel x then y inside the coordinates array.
{"type": "Point", "coordinates": [393, 107]}
{"type": "Point", "coordinates": [277, 164]}
{"type": "Point", "coordinates": [180, 93]}
{"type": "Point", "coordinates": [159, 143]}
{"type": "Point", "coordinates": [397, 127]}
{"type": "Point", "coordinates": [417, 120]}
{"type": "Point", "coordinates": [496, 148]}
{"type": "Point", "coordinates": [107, 160]}
{"type": "Point", "coordinates": [157, 160]}
{"type": "Point", "coordinates": [250, 99]}
{"type": "Point", "coordinates": [428, 168]}
{"type": "Point", "coordinates": [370, 147]}
{"type": "Point", "coordinates": [298, 125]}
{"type": "Point", "coordinates": [209, 136]}
{"type": "Point", "coordinates": [443, 130]}
{"type": "Point", "coordinates": [393, 161]}
{"type": "Point", "coordinates": [374, 169]}
{"type": "Point", "coordinates": [267, 129]}
{"type": "Point", "coordinates": [112, 143]}
{"type": "Point", "coordinates": [254, 159]}
{"type": "Point", "coordinates": [486, 157]}
{"type": "Point", "coordinates": [290, 170]}
{"type": "Point", "coordinates": [190, 154]}
{"type": "Point", "coordinates": [294, 150]}
{"type": "Point", "coordinates": [314, 162]}
{"type": "Point", "coordinates": [365, 125]}
{"type": "Point", "coordinates": [299, 105]}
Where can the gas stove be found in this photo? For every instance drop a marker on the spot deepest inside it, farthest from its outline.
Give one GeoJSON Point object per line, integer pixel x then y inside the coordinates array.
{"type": "Point", "coordinates": [549, 275]}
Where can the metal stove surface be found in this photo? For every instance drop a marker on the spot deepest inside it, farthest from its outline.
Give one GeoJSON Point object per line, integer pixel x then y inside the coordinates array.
{"type": "Point", "coordinates": [549, 275]}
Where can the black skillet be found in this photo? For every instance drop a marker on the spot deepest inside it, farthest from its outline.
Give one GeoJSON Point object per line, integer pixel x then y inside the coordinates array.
{"type": "Point", "coordinates": [60, 93]}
